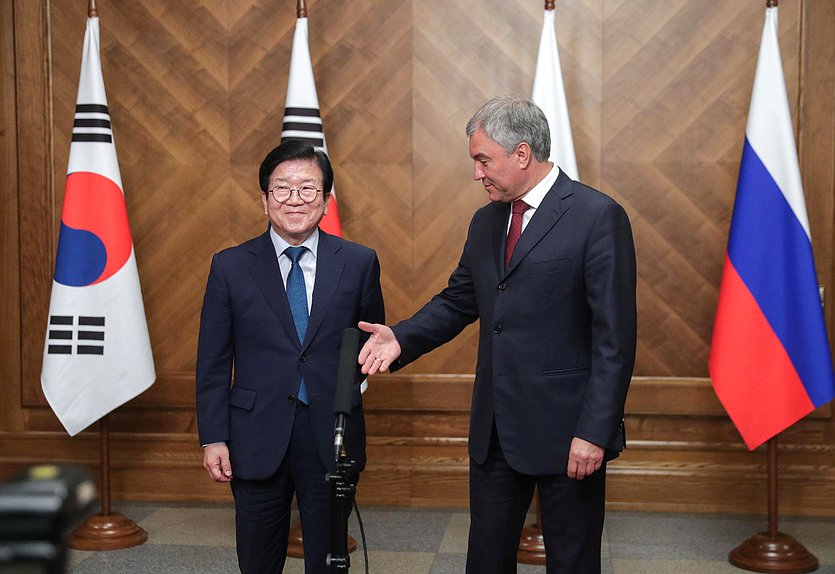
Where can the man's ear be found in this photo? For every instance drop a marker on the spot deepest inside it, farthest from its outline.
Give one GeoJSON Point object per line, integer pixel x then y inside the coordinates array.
{"type": "Point", "coordinates": [327, 203]}
{"type": "Point", "coordinates": [522, 153]}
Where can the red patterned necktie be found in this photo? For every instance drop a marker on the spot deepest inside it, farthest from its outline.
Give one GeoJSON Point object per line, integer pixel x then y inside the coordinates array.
{"type": "Point", "coordinates": [519, 207]}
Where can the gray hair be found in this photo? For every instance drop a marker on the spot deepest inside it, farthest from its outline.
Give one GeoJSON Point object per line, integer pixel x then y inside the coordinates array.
{"type": "Point", "coordinates": [511, 120]}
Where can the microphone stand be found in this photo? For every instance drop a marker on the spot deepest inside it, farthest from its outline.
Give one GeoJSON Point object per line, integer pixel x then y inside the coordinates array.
{"type": "Point", "coordinates": [343, 486]}
{"type": "Point", "coordinates": [344, 480]}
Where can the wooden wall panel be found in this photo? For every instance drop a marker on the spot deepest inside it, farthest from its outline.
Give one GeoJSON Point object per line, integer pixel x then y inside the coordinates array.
{"type": "Point", "coordinates": [816, 140]}
{"type": "Point", "coordinates": [658, 95]}
{"type": "Point", "coordinates": [10, 296]}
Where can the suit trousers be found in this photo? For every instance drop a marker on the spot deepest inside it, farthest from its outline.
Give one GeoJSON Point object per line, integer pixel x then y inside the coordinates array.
{"type": "Point", "coordinates": [262, 507]}
{"type": "Point", "coordinates": [572, 513]}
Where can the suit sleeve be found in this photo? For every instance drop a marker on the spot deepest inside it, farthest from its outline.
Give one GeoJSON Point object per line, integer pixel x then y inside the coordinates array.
{"type": "Point", "coordinates": [610, 277]}
{"type": "Point", "coordinates": [372, 307]}
{"type": "Point", "coordinates": [443, 317]}
{"type": "Point", "coordinates": [214, 358]}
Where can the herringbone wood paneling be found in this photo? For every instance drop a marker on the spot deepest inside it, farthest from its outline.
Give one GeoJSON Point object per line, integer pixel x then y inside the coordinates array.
{"type": "Point", "coordinates": [677, 77]}
{"type": "Point", "coordinates": [658, 95]}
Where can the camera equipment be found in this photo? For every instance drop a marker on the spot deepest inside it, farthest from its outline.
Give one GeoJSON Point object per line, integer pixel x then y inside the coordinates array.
{"type": "Point", "coordinates": [37, 510]}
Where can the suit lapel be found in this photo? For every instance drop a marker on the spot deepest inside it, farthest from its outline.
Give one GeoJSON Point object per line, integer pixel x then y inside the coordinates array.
{"type": "Point", "coordinates": [499, 239]}
{"type": "Point", "coordinates": [553, 207]}
{"type": "Point", "coordinates": [329, 267]}
{"type": "Point", "coordinates": [267, 276]}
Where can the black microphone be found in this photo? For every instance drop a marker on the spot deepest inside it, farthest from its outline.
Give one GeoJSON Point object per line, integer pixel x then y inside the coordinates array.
{"type": "Point", "coordinates": [345, 381]}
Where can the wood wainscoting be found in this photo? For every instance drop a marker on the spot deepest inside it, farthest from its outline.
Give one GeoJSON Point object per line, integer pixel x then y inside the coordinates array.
{"type": "Point", "coordinates": [683, 453]}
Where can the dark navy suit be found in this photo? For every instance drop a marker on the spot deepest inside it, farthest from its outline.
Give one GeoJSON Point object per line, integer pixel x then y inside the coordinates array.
{"type": "Point", "coordinates": [555, 357]}
{"type": "Point", "coordinates": [247, 334]}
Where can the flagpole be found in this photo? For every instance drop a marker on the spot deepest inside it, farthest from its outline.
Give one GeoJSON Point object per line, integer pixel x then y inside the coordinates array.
{"type": "Point", "coordinates": [532, 543]}
{"type": "Point", "coordinates": [295, 543]}
{"type": "Point", "coordinates": [772, 487]}
{"type": "Point", "coordinates": [106, 530]}
{"type": "Point", "coordinates": [770, 551]}
{"type": "Point", "coordinates": [104, 466]}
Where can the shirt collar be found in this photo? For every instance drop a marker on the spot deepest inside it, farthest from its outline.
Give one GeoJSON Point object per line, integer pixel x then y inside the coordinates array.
{"type": "Point", "coordinates": [535, 196]}
{"type": "Point", "coordinates": [312, 242]}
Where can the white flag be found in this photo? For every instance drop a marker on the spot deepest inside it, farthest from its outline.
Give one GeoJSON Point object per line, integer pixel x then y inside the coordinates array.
{"type": "Point", "coordinates": [549, 94]}
{"type": "Point", "coordinates": [301, 112]}
{"type": "Point", "coordinates": [97, 354]}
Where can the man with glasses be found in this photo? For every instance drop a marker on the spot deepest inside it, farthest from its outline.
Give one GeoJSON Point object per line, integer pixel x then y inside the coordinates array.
{"type": "Point", "coordinates": [273, 313]}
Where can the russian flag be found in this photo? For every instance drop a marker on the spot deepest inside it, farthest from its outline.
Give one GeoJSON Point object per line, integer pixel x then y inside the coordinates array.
{"type": "Point", "coordinates": [769, 359]}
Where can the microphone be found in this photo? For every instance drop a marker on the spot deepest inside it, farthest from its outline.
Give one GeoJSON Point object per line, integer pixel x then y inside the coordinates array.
{"type": "Point", "coordinates": [345, 381]}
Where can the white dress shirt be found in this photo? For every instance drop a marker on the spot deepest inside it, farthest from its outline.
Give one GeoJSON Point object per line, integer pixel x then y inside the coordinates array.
{"type": "Point", "coordinates": [535, 196]}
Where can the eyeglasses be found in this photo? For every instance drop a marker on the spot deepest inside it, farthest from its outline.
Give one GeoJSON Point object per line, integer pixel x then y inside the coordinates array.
{"type": "Point", "coordinates": [282, 193]}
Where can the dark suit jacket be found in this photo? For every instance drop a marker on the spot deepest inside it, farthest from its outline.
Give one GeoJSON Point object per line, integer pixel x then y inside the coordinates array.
{"type": "Point", "coordinates": [557, 328]}
{"type": "Point", "coordinates": [246, 328]}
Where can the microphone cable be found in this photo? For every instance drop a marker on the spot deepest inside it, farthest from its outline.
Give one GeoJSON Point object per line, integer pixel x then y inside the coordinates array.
{"type": "Point", "coordinates": [362, 534]}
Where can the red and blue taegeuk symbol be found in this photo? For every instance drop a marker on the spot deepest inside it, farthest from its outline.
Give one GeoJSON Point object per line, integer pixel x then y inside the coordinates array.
{"type": "Point", "coordinates": [94, 242]}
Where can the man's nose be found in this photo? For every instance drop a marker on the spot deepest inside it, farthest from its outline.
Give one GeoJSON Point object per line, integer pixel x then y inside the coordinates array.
{"type": "Point", "coordinates": [295, 197]}
{"type": "Point", "coordinates": [478, 173]}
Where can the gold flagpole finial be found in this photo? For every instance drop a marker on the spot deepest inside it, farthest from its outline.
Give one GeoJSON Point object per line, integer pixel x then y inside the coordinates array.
{"type": "Point", "coordinates": [91, 9]}
{"type": "Point", "coordinates": [770, 3]}
{"type": "Point", "coordinates": [549, 4]}
{"type": "Point", "coordinates": [301, 9]}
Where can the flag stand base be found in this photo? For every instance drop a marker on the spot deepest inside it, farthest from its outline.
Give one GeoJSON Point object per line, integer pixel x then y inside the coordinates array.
{"type": "Point", "coordinates": [531, 543]}
{"type": "Point", "coordinates": [107, 532]}
{"type": "Point", "coordinates": [531, 546]}
{"type": "Point", "coordinates": [780, 552]}
{"type": "Point", "coordinates": [295, 545]}
{"type": "Point", "coordinates": [773, 551]}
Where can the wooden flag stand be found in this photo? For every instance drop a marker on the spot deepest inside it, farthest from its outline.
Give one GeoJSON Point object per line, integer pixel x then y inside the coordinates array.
{"type": "Point", "coordinates": [106, 530]}
{"type": "Point", "coordinates": [773, 551]}
{"type": "Point", "coordinates": [295, 544]}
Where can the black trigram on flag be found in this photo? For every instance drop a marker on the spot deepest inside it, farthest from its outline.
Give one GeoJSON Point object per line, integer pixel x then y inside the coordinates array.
{"type": "Point", "coordinates": [303, 124]}
{"type": "Point", "coordinates": [86, 336]}
{"type": "Point", "coordinates": [92, 124]}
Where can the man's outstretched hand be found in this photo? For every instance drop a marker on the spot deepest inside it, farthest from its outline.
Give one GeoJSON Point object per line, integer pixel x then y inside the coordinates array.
{"type": "Point", "coordinates": [380, 350]}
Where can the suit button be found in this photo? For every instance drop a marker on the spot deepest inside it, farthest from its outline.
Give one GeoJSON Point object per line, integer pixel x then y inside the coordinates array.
{"type": "Point", "coordinates": [303, 358]}
{"type": "Point", "coordinates": [502, 286]}
{"type": "Point", "coordinates": [291, 399]}
{"type": "Point", "coordinates": [497, 329]}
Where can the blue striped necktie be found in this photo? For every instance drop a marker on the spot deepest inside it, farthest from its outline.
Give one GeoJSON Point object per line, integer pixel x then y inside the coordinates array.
{"type": "Point", "coordinates": [297, 297]}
